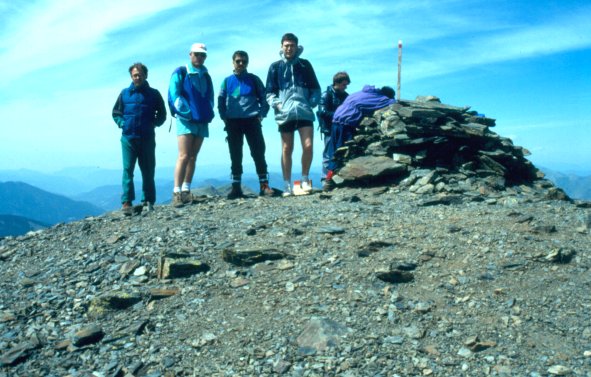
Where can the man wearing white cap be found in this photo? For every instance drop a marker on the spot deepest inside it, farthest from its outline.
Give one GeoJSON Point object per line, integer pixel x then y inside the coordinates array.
{"type": "Point", "coordinates": [190, 98]}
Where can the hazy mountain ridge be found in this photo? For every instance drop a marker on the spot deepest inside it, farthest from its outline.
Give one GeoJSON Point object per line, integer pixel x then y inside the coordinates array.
{"type": "Point", "coordinates": [22, 199]}
{"type": "Point", "coordinates": [576, 186]}
{"type": "Point", "coordinates": [102, 187]}
{"type": "Point", "coordinates": [11, 225]}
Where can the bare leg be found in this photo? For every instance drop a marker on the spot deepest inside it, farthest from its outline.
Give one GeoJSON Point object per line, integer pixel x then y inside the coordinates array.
{"type": "Point", "coordinates": [195, 148]}
{"type": "Point", "coordinates": [184, 145]}
{"type": "Point", "coordinates": [306, 137]}
{"type": "Point", "coordinates": [286, 152]}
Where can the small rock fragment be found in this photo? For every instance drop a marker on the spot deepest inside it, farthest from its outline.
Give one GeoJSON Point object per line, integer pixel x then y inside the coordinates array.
{"type": "Point", "coordinates": [559, 370]}
{"type": "Point", "coordinates": [87, 335]}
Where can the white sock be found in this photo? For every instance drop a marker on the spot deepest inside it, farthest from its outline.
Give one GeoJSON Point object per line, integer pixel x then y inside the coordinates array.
{"type": "Point", "coordinates": [287, 185]}
{"type": "Point", "coordinates": [176, 189]}
{"type": "Point", "coordinates": [186, 186]}
{"type": "Point", "coordinates": [305, 178]}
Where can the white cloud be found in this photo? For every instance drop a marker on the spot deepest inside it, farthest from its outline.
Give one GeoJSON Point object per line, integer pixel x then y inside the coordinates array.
{"type": "Point", "coordinates": [42, 34]}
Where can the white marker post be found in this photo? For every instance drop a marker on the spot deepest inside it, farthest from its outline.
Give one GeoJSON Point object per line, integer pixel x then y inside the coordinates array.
{"type": "Point", "coordinates": [399, 68]}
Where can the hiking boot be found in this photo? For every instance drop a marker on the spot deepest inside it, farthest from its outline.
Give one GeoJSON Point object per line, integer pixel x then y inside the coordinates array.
{"type": "Point", "coordinates": [177, 200]}
{"type": "Point", "coordinates": [127, 209]}
{"type": "Point", "coordinates": [148, 205]}
{"type": "Point", "coordinates": [236, 191]}
{"type": "Point", "coordinates": [186, 197]}
{"type": "Point", "coordinates": [306, 187]}
{"type": "Point", "coordinates": [266, 190]}
{"type": "Point", "coordinates": [329, 185]}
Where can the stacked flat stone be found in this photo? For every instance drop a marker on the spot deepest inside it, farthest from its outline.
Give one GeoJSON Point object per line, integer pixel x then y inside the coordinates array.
{"type": "Point", "coordinates": [429, 147]}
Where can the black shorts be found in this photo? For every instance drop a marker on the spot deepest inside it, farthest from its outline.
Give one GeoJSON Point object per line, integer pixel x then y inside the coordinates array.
{"type": "Point", "coordinates": [293, 125]}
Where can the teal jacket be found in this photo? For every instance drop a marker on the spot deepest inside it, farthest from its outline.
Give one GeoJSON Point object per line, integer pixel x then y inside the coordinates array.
{"type": "Point", "coordinates": [242, 96]}
{"type": "Point", "coordinates": [190, 94]}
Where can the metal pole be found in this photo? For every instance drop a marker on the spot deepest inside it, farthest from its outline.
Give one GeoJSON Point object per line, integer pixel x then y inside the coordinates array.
{"type": "Point", "coordinates": [399, 68]}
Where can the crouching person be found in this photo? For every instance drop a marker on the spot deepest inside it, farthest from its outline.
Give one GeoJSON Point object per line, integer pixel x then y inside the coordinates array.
{"type": "Point", "coordinates": [347, 118]}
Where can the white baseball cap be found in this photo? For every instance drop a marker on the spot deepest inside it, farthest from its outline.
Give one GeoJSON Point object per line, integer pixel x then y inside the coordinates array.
{"type": "Point", "coordinates": [199, 47]}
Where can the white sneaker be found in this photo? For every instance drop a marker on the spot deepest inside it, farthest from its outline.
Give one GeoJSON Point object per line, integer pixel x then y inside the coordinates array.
{"type": "Point", "coordinates": [288, 191]}
{"type": "Point", "coordinates": [306, 186]}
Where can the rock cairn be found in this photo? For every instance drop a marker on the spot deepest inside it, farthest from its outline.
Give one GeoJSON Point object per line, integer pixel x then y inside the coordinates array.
{"type": "Point", "coordinates": [430, 147]}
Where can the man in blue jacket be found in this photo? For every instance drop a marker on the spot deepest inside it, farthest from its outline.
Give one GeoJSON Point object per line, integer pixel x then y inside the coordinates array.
{"type": "Point", "coordinates": [293, 91]}
{"type": "Point", "coordinates": [242, 106]}
{"type": "Point", "coordinates": [137, 111]}
{"type": "Point", "coordinates": [347, 118]}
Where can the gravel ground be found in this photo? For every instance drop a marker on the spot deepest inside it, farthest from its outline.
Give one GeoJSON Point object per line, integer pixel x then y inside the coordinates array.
{"type": "Point", "coordinates": [358, 282]}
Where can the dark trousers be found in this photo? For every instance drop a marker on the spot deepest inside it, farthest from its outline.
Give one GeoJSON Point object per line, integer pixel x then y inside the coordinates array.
{"type": "Point", "coordinates": [340, 133]}
{"type": "Point", "coordinates": [250, 128]}
{"type": "Point", "coordinates": [144, 152]}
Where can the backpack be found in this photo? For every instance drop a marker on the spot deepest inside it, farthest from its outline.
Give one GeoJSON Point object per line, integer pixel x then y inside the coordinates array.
{"type": "Point", "coordinates": [183, 71]}
{"type": "Point", "coordinates": [323, 122]}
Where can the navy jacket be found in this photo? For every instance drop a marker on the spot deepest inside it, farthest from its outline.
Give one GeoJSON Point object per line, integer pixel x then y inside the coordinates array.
{"type": "Point", "coordinates": [138, 110]}
{"type": "Point", "coordinates": [329, 101]}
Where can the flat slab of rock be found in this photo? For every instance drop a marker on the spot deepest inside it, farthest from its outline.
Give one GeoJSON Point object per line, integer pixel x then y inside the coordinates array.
{"type": "Point", "coordinates": [246, 258]}
{"type": "Point", "coordinates": [87, 335]}
{"type": "Point", "coordinates": [160, 293]}
{"type": "Point", "coordinates": [320, 334]}
{"type": "Point", "coordinates": [395, 276]}
{"type": "Point", "coordinates": [113, 301]}
{"type": "Point", "coordinates": [367, 167]}
{"type": "Point", "coordinates": [173, 268]}
{"type": "Point", "coordinates": [17, 354]}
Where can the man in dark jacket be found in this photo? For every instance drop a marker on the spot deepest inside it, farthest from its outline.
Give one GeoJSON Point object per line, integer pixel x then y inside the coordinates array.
{"type": "Point", "coordinates": [329, 101]}
{"type": "Point", "coordinates": [242, 106]}
{"type": "Point", "coordinates": [347, 118]}
{"type": "Point", "coordinates": [293, 91]}
{"type": "Point", "coordinates": [137, 111]}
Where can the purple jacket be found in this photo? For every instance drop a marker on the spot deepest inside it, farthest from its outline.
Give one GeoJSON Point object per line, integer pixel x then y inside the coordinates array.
{"type": "Point", "coordinates": [359, 105]}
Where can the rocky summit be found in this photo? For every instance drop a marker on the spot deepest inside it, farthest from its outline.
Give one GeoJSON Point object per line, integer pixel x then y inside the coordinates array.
{"type": "Point", "coordinates": [435, 148]}
{"type": "Point", "coordinates": [443, 253]}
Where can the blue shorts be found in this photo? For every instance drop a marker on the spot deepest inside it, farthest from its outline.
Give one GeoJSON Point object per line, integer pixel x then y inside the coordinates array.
{"type": "Point", "coordinates": [196, 129]}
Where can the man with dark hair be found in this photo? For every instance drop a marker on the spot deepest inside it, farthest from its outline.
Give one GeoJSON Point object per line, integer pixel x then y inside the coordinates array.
{"type": "Point", "coordinates": [293, 91]}
{"type": "Point", "coordinates": [137, 111]}
{"type": "Point", "coordinates": [347, 118]}
{"type": "Point", "coordinates": [331, 98]}
{"type": "Point", "coordinates": [242, 106]}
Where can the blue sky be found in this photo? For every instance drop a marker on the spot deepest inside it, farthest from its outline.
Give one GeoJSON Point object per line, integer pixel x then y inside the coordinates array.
{"type": "Point", "coordinates": [63, 63]}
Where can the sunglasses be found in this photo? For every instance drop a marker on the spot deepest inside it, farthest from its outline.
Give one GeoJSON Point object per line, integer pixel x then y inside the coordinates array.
{"type": "Point", "coordinates": [241, 61]}
{"type": "Point", "coordinates": [199, 54]}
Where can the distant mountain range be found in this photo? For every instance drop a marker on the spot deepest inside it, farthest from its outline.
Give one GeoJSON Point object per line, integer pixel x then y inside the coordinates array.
{"type": "Point", "coordinates": [576, 186]}
{"type": "Point", "coordinates": [34, 204]}
{"type": "Point", "coordinates": [42, 200]}
{"type": "Point", "coordinates": [74, 193]}
{"type": "Point", "coordinates": [11, 225]}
